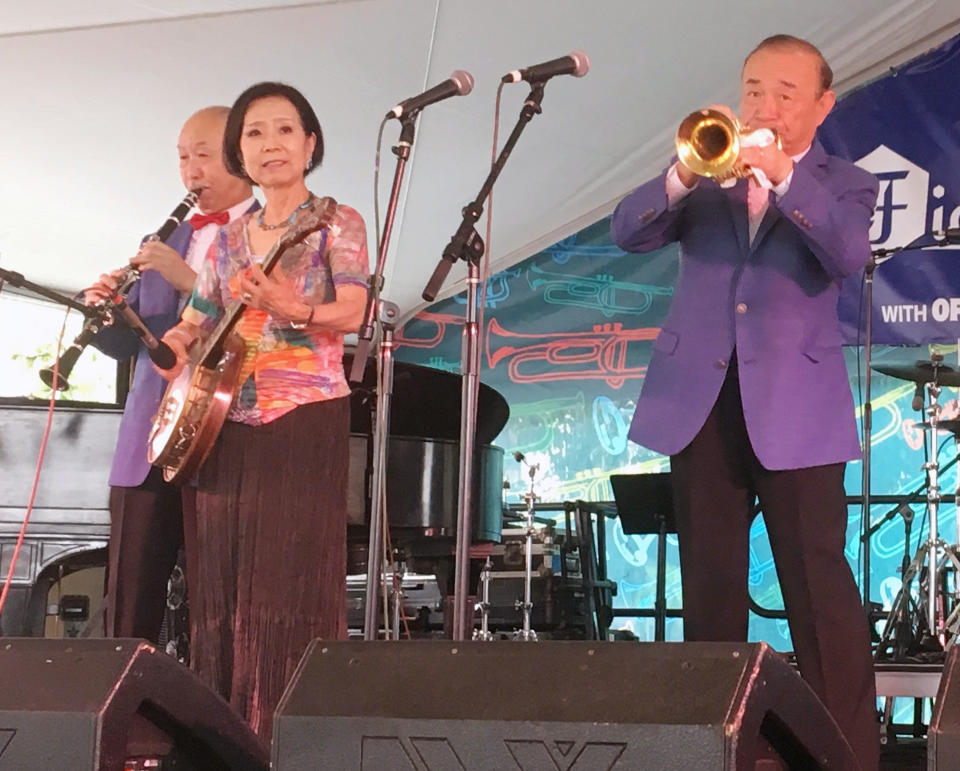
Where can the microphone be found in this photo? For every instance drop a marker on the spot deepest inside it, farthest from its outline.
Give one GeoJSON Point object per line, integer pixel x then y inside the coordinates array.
{"type": "Point", "coordinates": [575, 63]}
{"type": "Point", "coordinates": [460, 83]}
{"type": "Point", "coordinates": [160, 353]}
{"type": "Point", "coordinates": [917, 403]}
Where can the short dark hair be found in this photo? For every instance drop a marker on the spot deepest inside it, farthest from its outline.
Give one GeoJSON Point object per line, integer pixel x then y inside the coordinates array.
{"type": "Point", "coordinates": [789, 41]}
{"type": "Point", "coordinates": [234, 127]}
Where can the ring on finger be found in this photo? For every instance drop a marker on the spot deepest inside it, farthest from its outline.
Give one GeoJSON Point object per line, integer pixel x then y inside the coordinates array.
{"type": "Point", "coordinates": [246, 297]}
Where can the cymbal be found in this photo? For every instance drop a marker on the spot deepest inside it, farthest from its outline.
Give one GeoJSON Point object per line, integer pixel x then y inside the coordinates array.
{"type": "Point", "coordinates": [921, 372]}
{"type": "Point", "coordinates": [946, 425]}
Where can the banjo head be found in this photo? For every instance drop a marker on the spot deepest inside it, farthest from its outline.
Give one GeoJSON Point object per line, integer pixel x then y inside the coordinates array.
{"type": "Point", "coordinates": [167, 420]}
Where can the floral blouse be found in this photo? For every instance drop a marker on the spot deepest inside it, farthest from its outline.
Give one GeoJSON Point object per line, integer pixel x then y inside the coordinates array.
{"type": "Point", "coordinates": [284, 367]}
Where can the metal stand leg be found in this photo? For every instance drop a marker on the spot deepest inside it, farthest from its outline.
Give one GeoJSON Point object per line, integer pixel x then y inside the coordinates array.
{"type": "Point", "coordinates": [660, 603]}
{"type": "Point", "coordinates": [933, 505]}
{"type": "Point", "coordinates": [388, 312]}
{"type": "Point", "coordinates": [470, 357]}
{"type": "Point", "coordinates": [396, 597]}
{"type": "Point", "coordinates": [484, 634]}
{"type": "Point", "coordinates": [526, 634]}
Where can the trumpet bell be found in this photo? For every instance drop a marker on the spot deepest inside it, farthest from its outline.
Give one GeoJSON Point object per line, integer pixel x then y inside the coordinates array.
{"type": "Point", "coordinates": [708, 143]}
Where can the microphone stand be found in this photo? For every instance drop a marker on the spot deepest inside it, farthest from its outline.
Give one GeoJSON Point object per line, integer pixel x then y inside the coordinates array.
{"type": "Point", "coordinates": [867, 429]}
{"type": "Point", "coordinates": [467, 245]}
{"type": "Point", "coordinates": [384, 313]}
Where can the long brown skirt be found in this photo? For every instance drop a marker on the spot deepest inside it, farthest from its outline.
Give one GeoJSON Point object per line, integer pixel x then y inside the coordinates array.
{"type": "Point", "coordinates": [271, 554]}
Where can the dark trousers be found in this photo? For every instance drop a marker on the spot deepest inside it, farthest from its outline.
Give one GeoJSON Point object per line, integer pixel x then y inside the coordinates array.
{"type": "Point", "coordinates": [715, 481]}
{"type": "Point", "coordinates": [146, 531]}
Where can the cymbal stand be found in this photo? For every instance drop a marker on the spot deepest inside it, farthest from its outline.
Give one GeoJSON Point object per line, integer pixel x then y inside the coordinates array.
{"type": "Point", "coordinates": [396, 595]}
{"type": "Point", "coordinates": [951, 626]}
{"type": "Point", "coordinates": [866, 528]}
{"type": "Point", "coordinates": [526, 634]}
{"type": "Point", "coordinates": [483, 634]}
{"type": "Point", "coordinates": [927, 564]}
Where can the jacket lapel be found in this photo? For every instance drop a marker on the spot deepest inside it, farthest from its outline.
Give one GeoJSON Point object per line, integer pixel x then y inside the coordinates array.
{"type": "Point", "coordinates": [770, 216]}
{"type": "Point", "coordinates": [737, 200]}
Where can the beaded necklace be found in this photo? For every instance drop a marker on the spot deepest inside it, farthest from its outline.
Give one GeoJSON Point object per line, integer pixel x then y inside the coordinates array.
{"type": "Point", "coordinates": [288, 221]}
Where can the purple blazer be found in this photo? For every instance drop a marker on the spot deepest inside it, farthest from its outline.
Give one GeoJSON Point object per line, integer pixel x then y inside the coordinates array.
{"type": "Point", "coordinates": [157, 302]}
{"type": "Point", "coordinates": [774, 301]}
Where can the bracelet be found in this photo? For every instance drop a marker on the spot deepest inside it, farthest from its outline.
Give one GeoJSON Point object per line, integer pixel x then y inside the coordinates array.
{"type": "Point", "coordinates": [303, 324]}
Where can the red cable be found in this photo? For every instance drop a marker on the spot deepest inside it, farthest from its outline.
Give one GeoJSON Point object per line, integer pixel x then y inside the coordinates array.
{"type": "Point", "coordinates": [36, 476]}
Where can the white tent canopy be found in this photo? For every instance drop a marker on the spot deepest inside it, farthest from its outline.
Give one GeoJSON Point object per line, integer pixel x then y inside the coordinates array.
{"type": "Point", "coordinates": [96, 92]}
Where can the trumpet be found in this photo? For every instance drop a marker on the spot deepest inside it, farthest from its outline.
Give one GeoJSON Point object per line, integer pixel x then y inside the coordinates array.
{"type": "Point", "coordinates": [708, 143]}
{"type": "Point", "coordinates": [104, 315]}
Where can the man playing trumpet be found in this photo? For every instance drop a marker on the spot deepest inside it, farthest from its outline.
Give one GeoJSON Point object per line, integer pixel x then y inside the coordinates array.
{"type": "Point", "coordinates": [146, 523]}
{"type": "Point", "coordinates": [747, 390]}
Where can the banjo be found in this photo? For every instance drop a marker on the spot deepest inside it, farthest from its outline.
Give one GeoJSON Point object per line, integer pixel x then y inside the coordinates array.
{"type": "Point", "coordinates": [197, 401]}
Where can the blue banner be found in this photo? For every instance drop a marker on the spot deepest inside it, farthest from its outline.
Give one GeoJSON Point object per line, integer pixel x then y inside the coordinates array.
{"type": "Point", "coordinates": [905, 129]}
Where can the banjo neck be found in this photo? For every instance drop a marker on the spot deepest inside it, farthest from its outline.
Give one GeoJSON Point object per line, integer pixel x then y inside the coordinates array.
{"type": "Point", "coordinates": [310, 222]}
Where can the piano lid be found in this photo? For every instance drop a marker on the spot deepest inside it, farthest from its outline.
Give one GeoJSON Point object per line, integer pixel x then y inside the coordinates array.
{"type": "Point", "coordinates": [425, 403]}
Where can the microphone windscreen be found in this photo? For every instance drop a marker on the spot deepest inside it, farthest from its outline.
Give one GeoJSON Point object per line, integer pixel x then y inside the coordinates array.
{"type": "Point", "coordinates": [463, 81]}
{"type": "Point", "coordinates": [581, 63]}
{"type": "Point", "coordinates": [163, 356]}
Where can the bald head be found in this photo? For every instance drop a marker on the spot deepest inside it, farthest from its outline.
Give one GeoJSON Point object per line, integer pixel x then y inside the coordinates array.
{"type": "Point", "coordinates": [200, 148]}
{"type": "Point", "coordinates": [214, 115]}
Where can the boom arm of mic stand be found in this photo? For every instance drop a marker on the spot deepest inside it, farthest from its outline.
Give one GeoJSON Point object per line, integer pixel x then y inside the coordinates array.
{"type": "Point", "coordinates": [16, 279]}
{"type": "Point", "coordinates": [466, 243]}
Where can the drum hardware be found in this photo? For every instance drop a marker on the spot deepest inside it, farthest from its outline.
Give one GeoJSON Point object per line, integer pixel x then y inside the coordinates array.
{"type": "Point", "coordinates": [923, 372]}
{"type": "Point", "coordinates": [876, 257]}
{"type": "Point", "coordinates": [399, 568]}
{"type": "Point", "coordinates": [934, 559]}
{"type": "Point", "coordinates": [483, 633]}
{"type": "Point", "coordinates": [420, 602]}
{"type": "Point", "coordinates": [526, 634]}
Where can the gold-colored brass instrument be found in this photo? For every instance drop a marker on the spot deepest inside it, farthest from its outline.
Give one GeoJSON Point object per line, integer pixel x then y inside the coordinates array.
{"type": "Point", "coordinates": [105, 309]}
{"type": "Point", "coordinates": [708, 143]}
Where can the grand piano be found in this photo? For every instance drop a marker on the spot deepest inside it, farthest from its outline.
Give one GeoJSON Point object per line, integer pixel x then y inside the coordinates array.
{"type": "Point", "coordinates": [71, 522]}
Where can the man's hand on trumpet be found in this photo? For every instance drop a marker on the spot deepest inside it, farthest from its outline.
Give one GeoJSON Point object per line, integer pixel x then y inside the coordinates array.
{"type": "Point", "coordinates": [769, 159]}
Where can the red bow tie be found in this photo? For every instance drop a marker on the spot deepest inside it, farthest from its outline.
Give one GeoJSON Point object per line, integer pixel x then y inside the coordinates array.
{"type": "Point", "coordinates": [201, 220]}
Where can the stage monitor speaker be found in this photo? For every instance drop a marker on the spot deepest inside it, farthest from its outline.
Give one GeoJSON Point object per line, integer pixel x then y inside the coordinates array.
{"type": "Point", "coordinates": [93, 704]}
{"type": "Point", "coordinates": [557, 706]}
{"type": "Point", "coordinates": [943, 735]}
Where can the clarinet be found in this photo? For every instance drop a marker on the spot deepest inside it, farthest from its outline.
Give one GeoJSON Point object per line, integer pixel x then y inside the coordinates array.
{"type": "Point", "coordinates": [105, 308]}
